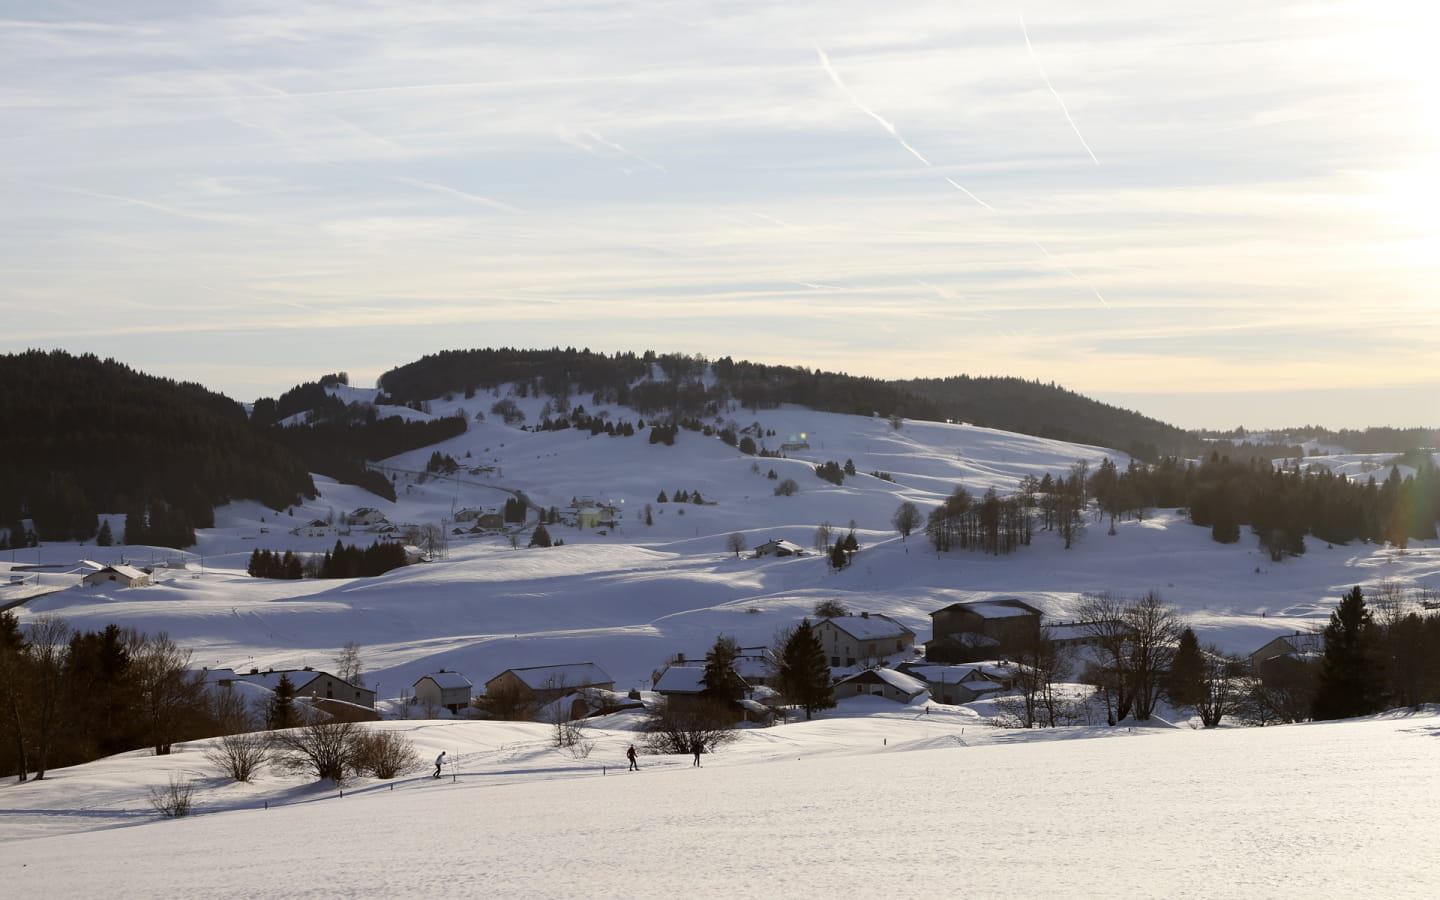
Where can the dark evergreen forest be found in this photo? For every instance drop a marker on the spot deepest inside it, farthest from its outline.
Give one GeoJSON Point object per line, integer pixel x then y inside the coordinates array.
{"type": "Point", "coordinates": [83, 435]}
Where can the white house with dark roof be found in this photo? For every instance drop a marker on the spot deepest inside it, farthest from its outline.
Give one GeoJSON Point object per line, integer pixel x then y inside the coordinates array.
{"type": "Point", "coordinates": [448, 689]}
{"type": "Point", "coordinates": [887, 683]}
{"type": "Point", "coordinates": [545, 683]}
{"type": "Point", "coordinates": [867, 637]}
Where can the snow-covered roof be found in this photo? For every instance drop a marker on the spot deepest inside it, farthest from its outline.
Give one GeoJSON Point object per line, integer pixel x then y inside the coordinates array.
{"type": "Point", "coordinates": [996, 610]}
{"type": "Point", "coordinates": [127, 571]}
{"type": "Point", "coordinates": [681, 680]}
{"type": "Point", "coordinates": [898, 680]}
{"type": "Point", "coordinates": [447, 680]}
{"type": "Point", "coordinates": [870, 627]}
{"type": "Point", "coordinates": [574, 675]}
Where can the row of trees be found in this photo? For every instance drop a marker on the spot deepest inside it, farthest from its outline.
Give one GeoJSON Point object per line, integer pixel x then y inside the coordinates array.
{"type": "Point", "coordinates": [342, 562]}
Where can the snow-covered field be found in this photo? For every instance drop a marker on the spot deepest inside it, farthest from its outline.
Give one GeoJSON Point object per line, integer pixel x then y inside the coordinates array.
{"type": "Point", "coordinates": [870, 799]}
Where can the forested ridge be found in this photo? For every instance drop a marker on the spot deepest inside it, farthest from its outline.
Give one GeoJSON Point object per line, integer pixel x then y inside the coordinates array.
{"type": "Point", "coordinates": [84, 436]}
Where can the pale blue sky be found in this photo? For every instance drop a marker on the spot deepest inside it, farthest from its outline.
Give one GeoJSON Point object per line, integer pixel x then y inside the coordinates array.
{"type": "Point", "coordinates": [1223, 214]}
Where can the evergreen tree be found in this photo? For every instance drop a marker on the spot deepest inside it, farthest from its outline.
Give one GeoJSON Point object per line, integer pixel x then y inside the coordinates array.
{"type": "Point", "coordinates": [540, 537]}
{"type": "Point", "coordinates": [838, 559]}
{"type": "Point", "coordinates": [720, 679]}
{"type": "Point", "coordinates": [804, 674]}
{"type": "Point", "coordinates": [1184, 684]}
{"type": "Point", "coordinates": [281, 713]}
{"type": "Point", "coordinates": [105, 537]}
{"type": "Point", "coordinates": [1351, 677]}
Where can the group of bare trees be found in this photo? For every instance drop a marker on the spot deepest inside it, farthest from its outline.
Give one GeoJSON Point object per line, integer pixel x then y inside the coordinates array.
{"type": "Point", "coordinates": [71, 696]}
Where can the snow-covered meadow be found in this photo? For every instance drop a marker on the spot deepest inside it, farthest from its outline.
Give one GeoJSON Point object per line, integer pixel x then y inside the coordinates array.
{"type": "Point", "coordinates": [872, 798]}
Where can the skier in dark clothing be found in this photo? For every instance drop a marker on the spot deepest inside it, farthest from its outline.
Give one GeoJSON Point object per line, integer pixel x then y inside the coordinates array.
{"type": "Point", "coordinates": [439, 761]}
{"type": "Point", "coordinates": [630, 755]}
{"type": "Point", "coordinates": [697, 748]}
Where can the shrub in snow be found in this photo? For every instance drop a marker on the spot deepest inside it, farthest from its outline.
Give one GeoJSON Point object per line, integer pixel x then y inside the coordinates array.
{"type": "Point", "coordinates": [174, 800]}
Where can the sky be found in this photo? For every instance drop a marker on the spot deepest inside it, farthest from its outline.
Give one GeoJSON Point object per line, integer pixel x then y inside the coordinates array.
{"type": "Point", "coordinates": [1219, 216]}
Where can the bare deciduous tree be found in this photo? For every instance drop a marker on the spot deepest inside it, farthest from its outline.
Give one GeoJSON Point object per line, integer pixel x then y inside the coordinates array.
{"type": "Point", "coordinates": [324, 749]}
{"type": "Point", "coordinates": [239, 756]}
{"type": "Point", "coordinates": [906, 519]}
{"type": "Point", "coordinates": [735, 543]}
{"type": "Point", "coordinates": [349, 666]}
{"type": "Point", "coordinates": [1136, 640]}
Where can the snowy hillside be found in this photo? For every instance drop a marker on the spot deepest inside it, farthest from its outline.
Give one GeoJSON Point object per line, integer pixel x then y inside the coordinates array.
{"type": "Point", "coordinates": [629, 596]}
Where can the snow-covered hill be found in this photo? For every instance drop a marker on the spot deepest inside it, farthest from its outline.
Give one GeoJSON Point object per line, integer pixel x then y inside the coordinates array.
{"type": "Point", "coordinates": [627, 597]}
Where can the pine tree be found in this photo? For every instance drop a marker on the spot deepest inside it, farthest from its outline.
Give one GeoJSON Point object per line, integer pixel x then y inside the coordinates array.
{"type": "Point", "coordinates": [540, 537]}
{"type": "Point", "coordinates": [720, 679]}
{"type": "Point", "coordinates": [804, 674]}
{"type": "Point", "coordinates": [1184, 684]}
{"type": "Point", "coordinates": [281, 712]}
{"type": "Point", "coordinates": [105, 537]}
{"type": "Point", "coordinates": [1351, 679]}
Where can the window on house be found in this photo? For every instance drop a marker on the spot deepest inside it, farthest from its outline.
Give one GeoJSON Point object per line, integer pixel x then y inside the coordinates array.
{"type": "Point", "coordinates": [849, 660]}
{"type": "Point", "coordinates": [834, 660]}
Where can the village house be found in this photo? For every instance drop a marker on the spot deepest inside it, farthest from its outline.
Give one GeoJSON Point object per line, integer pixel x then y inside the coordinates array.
{"type": "Point", "coordinates": [869, 637]}
{"type": "Point", "coordinates": [965, 632]}
{"type": "Point", "coordinates": [450, 690]}
{"type": "Point", "coordinates": [314, 528]}
{"type": "Point", "coordinates": [122, 576]}
{"type": "Point", "coordinates": [777, 547]}
{"type": "Point", "coordinates": [887, 683]}
{"type": "Point", "coordinates": [1297, 647]}
{"type": "Point", "coordinates": [310, 683]}
{"type": "Point", "coordinates": [542, 684]}
{"type": "Point", "coordinates": [366, 515]}
{"type": "Point", "coordinates": [963, 684]}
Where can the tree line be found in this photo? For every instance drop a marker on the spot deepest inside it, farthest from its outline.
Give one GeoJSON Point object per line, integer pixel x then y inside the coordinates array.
{"type": "Point", "coordinates": [85, 436]}
{"type": "Point", "coordinates": [341, 562]}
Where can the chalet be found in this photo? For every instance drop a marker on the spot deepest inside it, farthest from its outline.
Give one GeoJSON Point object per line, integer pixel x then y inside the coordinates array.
{"type": "Point", "coordinates": [887, 683]}
{"type": "Point", "coordinates": [1297, 647]}
{"type": "Point", "coordinates": [448, 689]}
{"type": "Point", "coordinates": [777, 547]}
{"type": "Point", "coordinates": [122, 576]}
{"type": "Point", "coordinates": [313, 684]}
{"type": "Point", "coordinates": [314, 528]}
{"type": "Point", "coordinates": [868, 637]}
{"type": "Point", "coordinates": [366, 515]}
{"type": "Point", "coordinates": [542, 684]}
{"type": "Point", "coordinates": [965, 632]}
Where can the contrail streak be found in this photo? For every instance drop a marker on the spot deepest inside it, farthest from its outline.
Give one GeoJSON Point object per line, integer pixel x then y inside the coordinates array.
{"type": "Point", "coordinates": [1058, 99]}
{"type": "Point", "coordinates": [891, 130]}
{"type": "Point", "coordinates": [859, 104]}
